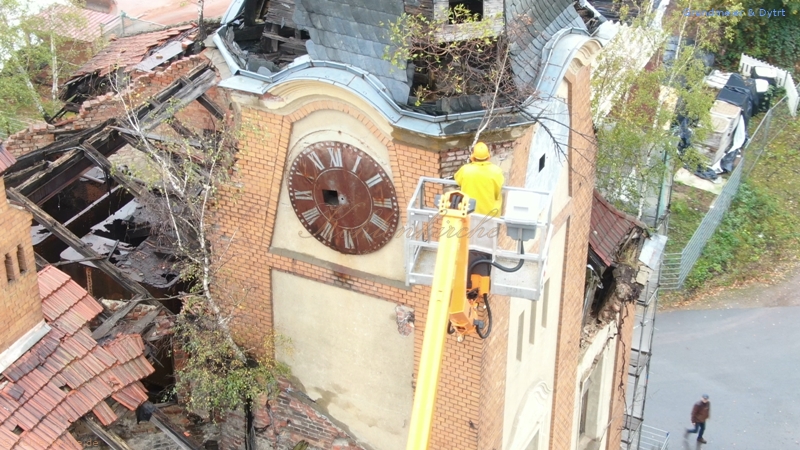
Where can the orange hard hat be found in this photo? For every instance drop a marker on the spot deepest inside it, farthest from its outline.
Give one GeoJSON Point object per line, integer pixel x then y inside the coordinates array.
{"type": "Point", "coordinates": [480, 152]}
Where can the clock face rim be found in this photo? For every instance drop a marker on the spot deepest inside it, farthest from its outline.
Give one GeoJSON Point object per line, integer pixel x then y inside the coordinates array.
{"type": "Point", "coordinates": [374, 228]}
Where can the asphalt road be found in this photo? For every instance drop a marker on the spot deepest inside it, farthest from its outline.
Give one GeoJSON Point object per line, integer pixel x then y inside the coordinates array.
{"type": "Point", "coordinates": [748, 362]}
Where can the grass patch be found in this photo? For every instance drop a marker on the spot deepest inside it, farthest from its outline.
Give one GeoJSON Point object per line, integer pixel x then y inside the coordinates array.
{"type": "Point", "coordinates": [759, 231]}
{"type": "Point", "coordinates": [688, 206]}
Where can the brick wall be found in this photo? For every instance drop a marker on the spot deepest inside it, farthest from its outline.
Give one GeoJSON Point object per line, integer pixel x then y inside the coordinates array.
{"type": "Point", "coordinates": [20, 305]}
{"type": "Point", "coordinates": [581, 157]}
{"type": "Point", "coordinates": [246, 219]}
{"type": "Point", "coordinates": [620, 381]}
{"type": "Point", "coordinates": [452, 159]}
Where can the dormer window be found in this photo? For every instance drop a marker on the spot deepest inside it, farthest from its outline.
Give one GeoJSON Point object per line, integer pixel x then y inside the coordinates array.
{"type": "Point", "coordinates": [473, 6]}
{"type": "Point", "coordinates": [483, 11]}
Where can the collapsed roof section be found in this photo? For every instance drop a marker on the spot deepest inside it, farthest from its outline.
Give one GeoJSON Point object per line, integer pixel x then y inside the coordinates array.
{"type": "Point", "coordinates": [611, 230]}
{"type": "Point", "coordinates": [67, 374]}
{"type": "Point", "coordinates": [45, 172]}
{"type": "Point", "coordinates": [260, 39]}
{"type": "Point", "coordinates": [142, 52]}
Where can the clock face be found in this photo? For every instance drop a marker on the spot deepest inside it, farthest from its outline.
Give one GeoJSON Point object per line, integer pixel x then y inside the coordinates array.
{"type": "Point", "coordinates": [343, 197]}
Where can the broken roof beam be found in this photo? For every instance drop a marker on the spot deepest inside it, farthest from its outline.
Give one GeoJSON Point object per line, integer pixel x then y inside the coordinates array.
{"type": "Point", "coordinates": [108, 436]}
{"type": "Point", "coordinates": [127, 132]}
{"type": "Point", "coordinates": [66, 236]}
{"type": "Point", "coordinates": [105, 328]}
{"type": "Point", "coordinates": [182, 130]}
{"type": "Point", "coordinates": [188, 93]}
{"type": "Point", "coordinates": [159, 419]}
{"type": "Point", "coordinates": [102, 162]}
{"type": "Point", "coordinates": [72, 166]}
{"type": "Point", "coordinates": [36, 156]}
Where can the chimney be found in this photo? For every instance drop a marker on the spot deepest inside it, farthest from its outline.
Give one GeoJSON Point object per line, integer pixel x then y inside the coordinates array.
{"type": "Point", "coordinates": [20, 303]}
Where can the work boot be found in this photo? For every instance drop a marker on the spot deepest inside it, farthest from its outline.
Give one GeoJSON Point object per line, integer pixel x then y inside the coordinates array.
{"type": "Point", "coordinates": [701, 440]}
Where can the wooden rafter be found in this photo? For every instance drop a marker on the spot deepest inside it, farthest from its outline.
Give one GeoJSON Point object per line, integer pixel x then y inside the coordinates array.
{"type": "Point", "coordinates": [108, 436]}
{"type": "Point", "coordinates": [66, 236]}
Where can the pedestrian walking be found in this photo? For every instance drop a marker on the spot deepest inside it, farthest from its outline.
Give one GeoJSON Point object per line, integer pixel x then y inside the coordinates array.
{"type": "Point", "coordinates": [701, 412]}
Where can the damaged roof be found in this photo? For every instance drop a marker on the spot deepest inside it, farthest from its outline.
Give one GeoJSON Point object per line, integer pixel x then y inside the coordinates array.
{"type": "Point", "coordinates": [67, 374]}
{"type": "Point", "coordinates": [610, 228]}
{"type": "Point", "coordinates": [355, 33]}
{"type": "Point", "coordinates": [540, 21]}
{"type": "Point", "coordinates": [129, 51]}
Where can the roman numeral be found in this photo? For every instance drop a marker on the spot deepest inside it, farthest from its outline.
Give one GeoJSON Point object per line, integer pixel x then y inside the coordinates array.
{"type": "Point", "coordinates": [348, 240]}
{"type": "Point", "coordinates": [374, 180]}
{"type": "Point", "coordinates": [367, 236]}
{"type": "Point", "coordinates": [382, 203]}
{"type": "Point", "coordinates": [315, 159]}
{"type": "Point", "coordinates": [327, 232]}
{"type": "Point", "coordinates": [311, 215]}
{"type": "Point", "coordinates": [355, 166]}
{"type": "Point", "coordinates": [380, 223]}
{"type": "Point", "coordinates": [336, 157]}
{"type": "Point", "coordinates": [303, 195]}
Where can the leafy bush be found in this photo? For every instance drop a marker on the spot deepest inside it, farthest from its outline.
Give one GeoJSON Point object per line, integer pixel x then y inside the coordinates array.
{"type": "Point", "coordinates": [213, 378]}
{"type": "Point", "coordinates": [757, 230]}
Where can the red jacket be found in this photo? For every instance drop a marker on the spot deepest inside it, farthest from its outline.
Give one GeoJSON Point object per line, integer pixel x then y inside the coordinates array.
{"type": "Point", "coordinates": [701, 412]}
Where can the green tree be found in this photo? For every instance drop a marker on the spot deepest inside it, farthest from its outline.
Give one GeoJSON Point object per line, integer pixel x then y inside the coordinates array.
{"type": "Point", "coordinates": [34, 56]}
{"type": "Point", "coordinates": [638, 95]}
{"type": "Point", "coordinates": [183, 176]}
{"type": "Point", "coordinates": [771, 37]}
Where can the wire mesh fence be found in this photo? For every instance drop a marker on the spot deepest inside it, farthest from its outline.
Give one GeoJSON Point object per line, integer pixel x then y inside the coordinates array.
{"type": "Point", "coordinates": [677, 266]}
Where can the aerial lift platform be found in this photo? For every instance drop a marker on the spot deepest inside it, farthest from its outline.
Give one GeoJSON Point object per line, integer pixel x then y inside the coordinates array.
{"type": "Point", "coordinates": [445, 244]}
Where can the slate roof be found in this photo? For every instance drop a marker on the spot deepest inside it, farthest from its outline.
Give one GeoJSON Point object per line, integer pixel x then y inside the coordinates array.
{"type": "Point", "coordinates": [538, 22]}
{"type": "Point", "coordinates": [351, 33]}
{"type": "Point", "coordinates": [67, 374]}
{"type": "Point", "coordinates": [6, 159]}
{"type": "Point", "coordinates": [609, 229]}
{"type": "Point", "coordinates": [129, 51]}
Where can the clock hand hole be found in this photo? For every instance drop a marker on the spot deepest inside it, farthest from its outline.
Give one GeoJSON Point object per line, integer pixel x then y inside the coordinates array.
{"type": "Point", "coordinates": [331, 197]}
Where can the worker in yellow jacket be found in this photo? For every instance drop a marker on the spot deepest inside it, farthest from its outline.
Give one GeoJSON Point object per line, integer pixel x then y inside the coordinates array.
{"type": "Point", "coordinates": [482, 180]}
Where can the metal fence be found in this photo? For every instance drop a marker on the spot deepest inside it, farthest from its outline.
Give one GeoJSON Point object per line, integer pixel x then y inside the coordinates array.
{"type": "Point", "coordinates": [677, 266]}
{"type": "Point", "coordinates": [653, 438]}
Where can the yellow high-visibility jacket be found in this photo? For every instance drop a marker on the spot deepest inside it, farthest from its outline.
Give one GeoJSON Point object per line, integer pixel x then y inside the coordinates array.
{"type": "Point", "coordinates": [483, 181]}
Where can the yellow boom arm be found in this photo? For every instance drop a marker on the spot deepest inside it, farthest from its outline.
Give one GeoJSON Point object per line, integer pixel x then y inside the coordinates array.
{"type": "Point", "coordinates": [448, 302]}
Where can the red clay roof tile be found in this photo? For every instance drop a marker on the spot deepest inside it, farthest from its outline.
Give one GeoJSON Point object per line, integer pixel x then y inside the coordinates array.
{"type": "Point", "coordinates": [128, 51]}
{"type": "Point", "coordinates": [7, 438]}
{"type": "Point", "coordinates": [131, 396]}
{"type": "Point", "coordinates": [104, 413]}
{"type": "Point", "coordinates": [43, 410]}
{"type": "Point", "coordinates": [609, 227]}
{"type": "Point", "coordinates": [66, 442]}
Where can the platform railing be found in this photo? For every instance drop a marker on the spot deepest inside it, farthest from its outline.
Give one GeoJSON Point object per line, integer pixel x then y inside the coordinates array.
{"type": "Point", "coordinates": [488, 236]}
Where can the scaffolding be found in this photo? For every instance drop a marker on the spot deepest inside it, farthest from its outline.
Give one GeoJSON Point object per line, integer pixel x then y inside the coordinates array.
{"type": "Point", "coordinates": [635, 434]}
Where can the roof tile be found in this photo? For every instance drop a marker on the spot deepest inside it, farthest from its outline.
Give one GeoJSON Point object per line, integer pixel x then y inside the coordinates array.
{"type": "Point", "coordinates": [128, 51]}
{"type": "Point", "coordinates": [67, 356]}
{"type": "Point", "coordinates": [104, 413]}
{"type": "Point", "coordinates": [131, 396]}
{"type": "Point", "coordinates": [7, 438]}
{"type": "Point", "coordinates": [609, 228]}
{"type": "Point", "coordinates": [66, 442]}
{"type": "Point", "coordinates": [6, 159]}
